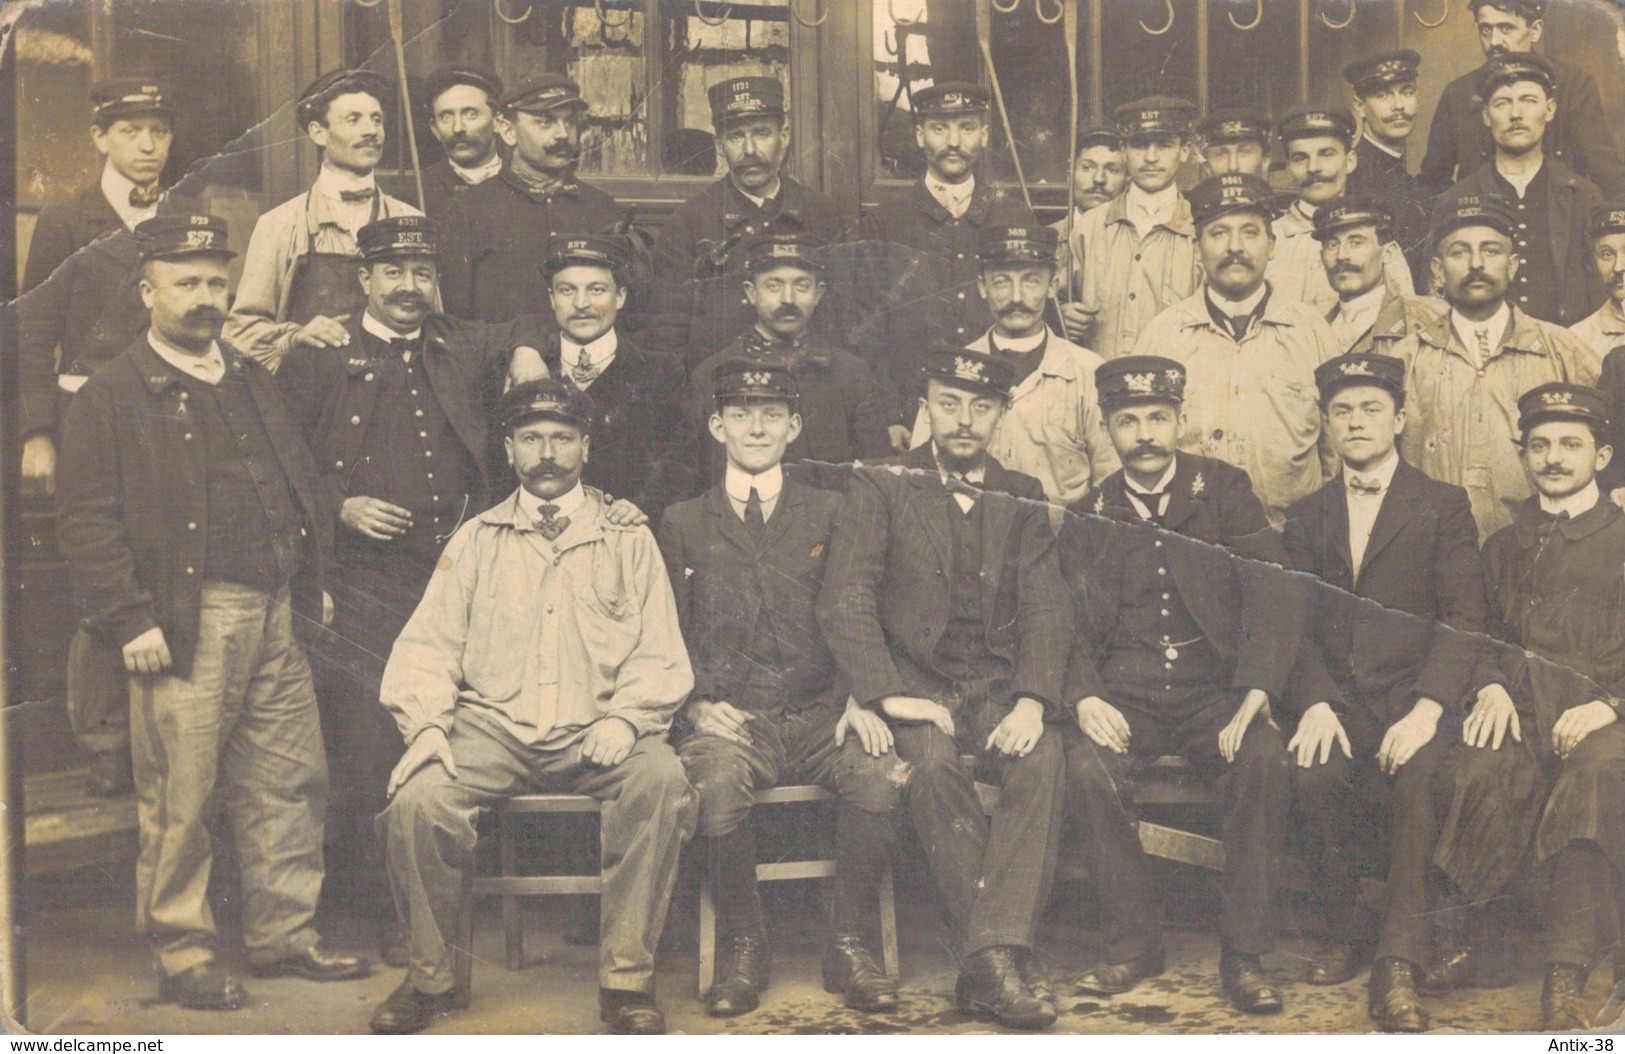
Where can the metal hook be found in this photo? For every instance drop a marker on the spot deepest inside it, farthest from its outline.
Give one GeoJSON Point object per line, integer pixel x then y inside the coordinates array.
{"type": "Point", "coordinates": [1329, 24]}
{"type": "Point", "coordinates": [604, 23]}
{"type": "Point", "coordinates": [1005, 9]}
{"type": "Point", "coordinates": [1049, 20]}
{"type": "Point", "coordinates": [1258, 16]}
{"type": "Point", "coordinates": [699, 13]}
{"type": "Point", "coordinates": [795, 12]}
{"type": "Point", "coordinates": [521, 20]}
{"type": "Point", "coordinates": [1442, 17]}
{"type": "Point", "coordinates": [1168, 5]}
{"type": "Point", "coordinates": [891, 13]}
{"type": "Point", "coordinates": [366, 3]}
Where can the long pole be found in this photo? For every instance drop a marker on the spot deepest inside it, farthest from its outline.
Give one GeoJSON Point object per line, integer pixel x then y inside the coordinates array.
{"type": "Point", "coordinates": [1069, 27]}
{"type": "Point", "coordinates": [396, 34]}
{"type": "Point", "coordinates": [984, 37]}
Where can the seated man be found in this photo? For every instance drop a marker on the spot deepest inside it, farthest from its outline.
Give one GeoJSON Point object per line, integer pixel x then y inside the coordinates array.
{"type": "Point", "coordinates": [746, 559]}
{"type": "Point", "coordinates": [544, 656]}
{"type": "Point", "coordinates": [1182, 650]}
{"type": "Point", "coordinates": [945, 611]}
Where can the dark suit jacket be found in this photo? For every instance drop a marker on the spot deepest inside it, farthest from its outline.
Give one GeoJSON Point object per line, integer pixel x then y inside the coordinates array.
{"type": "Point", "coordinates": [62, 230]}
{"type": "Point", "coordinates": [1223, 556]}
{"type": "Point", "coordinates": [1407, 626]}
{"type": "Point", "coordinates": [1383, 176]}
{"type": "Point", "coordinates": [887, 593]}
{"type": "Point", "coordinates": [724, 580]}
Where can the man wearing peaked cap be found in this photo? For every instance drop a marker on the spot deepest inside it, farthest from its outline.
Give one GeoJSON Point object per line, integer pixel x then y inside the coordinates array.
{"type": "Point", "coordinates": [540, 583]}
{"type": "Point", "coordinates": [1580, 136]}
{"type": "Point", "coordinates": [1319, 147]}
{"type": "Point", "coordinates": [200, 589]}
{"type": "Point", "coordinates": [1385, 100]}
{"type": "Point", "coordinates": [1368, 316]}
{"type": "Point", "coordinates": [1554, 577]}
{"type": "Point", "coordinates": [461, 101]}
{"type": "Point", "coordinates": [1604, 329]}
{"type": "Point", "coordinates": [1139, 251]}
{"type": "Point", "coordinates": [1234, 141]}
{"type": "Point", "coordinates": [498, 232]}
{"type": "Point", "coordinates": [297, 287]}
{"type": "Point", "coordinates": [843, 405]}
{"type": "Point", "coordinates": [1098, 176]}
{"type": "Point", "coordinates": [397, 418]}
{"type": "Point", "coordinates": [1397, 609]}
{"type": "Point", "coordinates": [1185, 645]}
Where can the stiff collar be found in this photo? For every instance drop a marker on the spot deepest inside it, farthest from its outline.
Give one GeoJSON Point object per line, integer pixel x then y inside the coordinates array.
{"type": "Point", "coordinates": [759, 200]}
{"type": "Point", "coordinates": [1233, 308]}
{"type": "Point", "coordinates": [598, 351]}
{"type": "Point", "coordinates": [569, 503]}
{"type": "Point", "coordinates": [1162, 484]}
{"type": "Point", "coordinates": [375, 326]}
{"type": "Point", "coordinates": [1499, 325]}
{"type": "Point", "coordinates": [1367, 303]}
{"type": "Point", "coordinates": [1533, 525]}
{"type": "Point", "coordinates": [769, 483]}
{"type": "Point", "coordinates": [1383, 473]}
{"type": "Point", "coordinates": [1158, 206]}
{"type": "Point", "coordinates": [1019, 345]}
{"type": "Point", "coordinates": [116, 188]}
{"type": "Point", "coordinates": [955, 197]}
{"type": "Point", "coordinates": [1576, 504]}
{"type": "Point", "coordinates": [332, 182]}
{"type": "Point", "coordinates": [209, 367]}
{"type": "Point", "coordinates": [1384, 147]}
{"type": "Point", "coordinates": [479, 173]}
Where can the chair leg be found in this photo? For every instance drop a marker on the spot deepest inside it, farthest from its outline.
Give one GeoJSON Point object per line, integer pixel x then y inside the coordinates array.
{"type": "Point", "coordinates": [889, 959]}
{"type": "Point", "coordinates": [513, 932]}
{"type": "Point", "coordinates": [463, 945]}
{"type": "Point", "coordinates": [708, 938]}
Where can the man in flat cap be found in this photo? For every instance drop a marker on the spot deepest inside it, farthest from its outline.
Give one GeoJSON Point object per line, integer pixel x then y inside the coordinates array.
{"type": "Point", "coordinates": [1394, 624]}
{"type": "Point", "coordinates": [497, 233]}
{"type": "Point", "coordinates": [196, 539]}
{"type": "Point", "coordinates": [1098, 176]}
{"type": "Point", "coordinates": [462, 115]}
{"type": "Point", "coordinates": [1604, 329]}
{"type": "Point", "coordinates": [701, 309]}
{"type": "Point", "coordinates": [1051, 429]}
{"type": "Point", "coordinates": [1468, 366]}
{"type": "Point", "coordinates": [842, 404]}
{"type": "Point", "coordinates": [1191, 632]}
{"type": "Point", "coordinates": [1556, 278]}
{"type": "Point", "coordinates": [1580, 135]}
{"type": "Point", "coordinates": [1385, 101]}
{"type": "Point", "coordinates": [1368, 316]}
{"type": "Point", "coordinates": [298, 283]}
{"type": "Point", "coordinates": [927, 234]}
{"type": "Point", "coordinates": [1138, 253]}
{"type": "Point", "coordinates": [1250, 354]}
{"type": "Point", "coordinates": [545, 656]}
{"type": "Point", "coordinates": [746, 560]}
{"type": "Point", "coordinates": [945, 610]}
{"type": "Point", "coordinates": [1543, 750]}
{"type": "Point", "coordinates": [398, 422]}
{"type": "Point", "coordinates": [1234, 141]}
{"type": "Point", "coordinates": [1319, 147]}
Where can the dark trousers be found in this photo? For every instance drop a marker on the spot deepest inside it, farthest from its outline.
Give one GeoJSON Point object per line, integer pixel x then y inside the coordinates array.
{"type": "Point", "coordinates": [1254, 798]}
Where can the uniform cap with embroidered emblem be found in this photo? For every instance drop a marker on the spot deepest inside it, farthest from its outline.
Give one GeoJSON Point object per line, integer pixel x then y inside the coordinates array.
{"type": "Point", "coordinates": [1133, 379]}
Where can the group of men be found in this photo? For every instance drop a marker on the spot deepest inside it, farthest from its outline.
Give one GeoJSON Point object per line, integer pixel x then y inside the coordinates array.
{"type": "Point", "coordinates": [941, 495]}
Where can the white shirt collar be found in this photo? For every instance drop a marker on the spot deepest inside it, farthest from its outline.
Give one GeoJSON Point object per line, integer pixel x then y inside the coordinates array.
{"type": "Point", "coordinates": [1162, 483]}
{"type": "Point", "coordinates": [209, 367]}
{"type": "Point", "coordinates": [1383, 473]}
{"type": "Point", "coordinates": [977, 475]}
{"type": "Point", "coordinates": [760, 200]}
{"type": "Point", "coordinates": [116, 189]}
{"type": "Point", "coordinates": [1520, 181]}
{"type": "Point", "coordinates": [569, 503]}
{"type": "Point", "coordinates": [1367, 303]}
{"type": "Point", "coordinates": [1238, 307]}
{"type": "Point", "coordinates": [332, 182]}
{"type": "Point", "coordinates": [1304, 209]}
{"type": "Point", "coordinates": [1496, 324]}
{"type": "Point", "coordinates": [1016, 343]}
{"type": "Point", "coordinates": [1576, 504]}
{"type": "Point", "coordinates": [1384, 147]}
{"type": "Point", "coordinates": [1158, 206]}
{"type": "Point", "coordinates": [479, 173]}
{"type": "Point", "coordinates": [599, 351]}
{"type": "Point", "coordinates": [955, 197]}
{"type": "Point", "coordinates": [373, 325]}
{"type": "Point", "coordinates": [768, 483]}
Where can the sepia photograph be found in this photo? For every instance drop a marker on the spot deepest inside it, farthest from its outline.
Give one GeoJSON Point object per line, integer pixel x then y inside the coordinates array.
{"type": "Point", "coordinates": [812, 517]}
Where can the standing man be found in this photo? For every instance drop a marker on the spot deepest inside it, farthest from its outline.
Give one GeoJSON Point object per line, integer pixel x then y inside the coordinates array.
{"type": "Point", "coordinates": [195, 538]}
{"type": "Point", "coordinates": [1250, 355]}
{"type": "Point", "coordinates": [1581, 136]}
{"type": "Point", "coordinates": [746, 559]}
{"type": "Point", "coordinates": [298, 284]}
{"type": "Point", "coordinates": [497, 233]}
{"type": "Point", "coordinates": [701, 309]}
{"type": "Point", "coordinates": [545, 655]}
{"type": "Point", "coordinates": [462, 116]}
{"type": "Point", "coordinates": [1551, 206]}
{"type": "Point", "coordinates": [946, 613]}
{"type": "Point", "coordinates": [1098, 176]}
{"type": "Point", "coordinates": [1468, 367]}
{"type": "Point", "coordinates": [1385, 101]}
{"type": "Point", "coordinates": [1319, 147]}
{"type": "Point", "coordinates": [1234, 141]}
{"type": "Point", "coordinates": [1138, 252]}
{"type": "Point", "coordinates": [1186, 646]}
{"type": "Point", "coordinates": [1394, 625]}
{"type": "Point", "coordinates": [1369, 316]}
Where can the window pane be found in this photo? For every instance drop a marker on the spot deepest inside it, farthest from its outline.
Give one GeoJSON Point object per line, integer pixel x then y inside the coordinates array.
{"type": "Point", "coordinates": [1253, 69]}
{"type": "Point", "coordinates": [748, 38]}
{"type": "Point", "coordinates": [1138, 63]}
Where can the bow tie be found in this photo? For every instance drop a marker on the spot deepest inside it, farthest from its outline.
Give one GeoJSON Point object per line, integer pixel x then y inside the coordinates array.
{"type": "Point", "coordinates": [357, 196]}
{"type": "Point", "coordinates": [1363, 485]}
{"type": "Point", "coordinates": [551, 524]}
{"type": "Point", "coordinates": [144, 197]}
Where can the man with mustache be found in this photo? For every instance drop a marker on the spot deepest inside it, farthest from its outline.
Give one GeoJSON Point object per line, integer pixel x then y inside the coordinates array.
{"type": "Point", "coordinates": [1234, 141]}
{"type": "Point", "coordinates": [1581, 135]}
{"type": "Point", "coordinates": [462, 115]}
{"type": "Point", "coordinates": [1368, 316]}
{"type": "Point", "coordinates": [1250, 354]}
{"type": "Point", "coordinates": [397, 420]}
{"type": "Point", "coordinates": [1468, 366]}
{"type": "Point", "coordinates": [1098, 176]}
{"type": "Point", "coordinates": [196, 540]}
{"type": "Point", "coordinates": [1138, 253]}
{"type": "Point", "coordinates": [1385, 101]}
{"type": "Point", "coordinates": [1556, 279]}
{"type": "Point", "coordinates": [1191, 630]}
{"type": "Point", "coordinates": [497, 233]}
{"type": "Point", "coordinates": [697, 257]}
{"type": "Point", "coordinates": [1543, 751]}
{"type": "Point", "coordinates": [945, 610]}
{"type": "Point", "coordinates": [298, 283]}
{"type": "Point", "coordinates": [1605, 329]}
{"type": "Point", "coordinates": [1319, 147]}
{"type": "Point", "coordinates": [842, 405]}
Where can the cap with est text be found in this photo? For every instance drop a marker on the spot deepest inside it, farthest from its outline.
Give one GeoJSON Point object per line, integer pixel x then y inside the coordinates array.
{"type": "Point", "coordinates": [547, 398]}
{"type": "Point", "coordinates": [1307, 122]}
{"type": "Point", "coordinates": [1343, 213]}
{"type": "Point", "coordinates": [176, 235]}
{"type": "Point", "coordinates": [1607, 219]}
{"type": "Point", "coordinates": [1232, 192]}
{"type": "Point", "coordinates": [792, 249]}
{"type": "Point", "coordinates": [606, 249]}
{"type": "Point", "coordinates": [1155, 115]}
{"type": "Point", "coordinates": [1472, 210]}
{"type": "Point", "coordinates": [394, 236]}
{"type": "Point", "coordinates": [738, 98]}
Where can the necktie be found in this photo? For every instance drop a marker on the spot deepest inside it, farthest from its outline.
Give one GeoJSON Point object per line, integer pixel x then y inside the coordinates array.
{"type": "Point", "coordinates": [402, 346]}
{"type": "Point", "coordinates": [356, 196]}
{"type": "Point", "coordinates": [584, 372]}
{"type": "Point", "coordinates": [1154, 503]}
{"type": "Point", "coordinates": [1362, 485]}
{"type": "Point", "coordinates": [1483, 335]}
{"type": "Point", "coordinates": [1240, 324]}
{"type": "Point", "coordinates": [753, 514]}
{"type": "Point", "coordinates": [144, 197]}
{"type": "Point", "coordinates": [552, 524]}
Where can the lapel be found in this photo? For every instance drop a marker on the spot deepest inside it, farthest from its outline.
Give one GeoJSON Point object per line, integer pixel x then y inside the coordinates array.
{"type": "Point", "coordinates": [731, 528]}
{"type": "Point", "coordinates": [96, 214]}
{"type": "Point", "coordinates": [1334, 507]}
{"type": "Point", "coordinates": [924, 482]}
{"type": "Point", "coordinates": [1185, 493]}
{"type": "Point", "coordinates": [998, 520]}
{"type": "Point", "coordinates": [779, 523]}
{"type": "Point", "coordinates": [1398, 508]}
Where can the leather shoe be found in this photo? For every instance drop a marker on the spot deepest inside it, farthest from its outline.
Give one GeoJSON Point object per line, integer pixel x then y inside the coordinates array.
{"type": "Point", "coordinates": [1562, 999]}
{"type": "Point", "coordinates": [851, 971]}
{"type": "Point", "coordinates": [394, 948]}
{"type": "Point", "coordinates": [1246, 984]}
{"type": "Point", "coordinates": [630, 1013]}
{"type": "Point", "coordinates": [206, 986]}
{"type": "Point", "coordinates": [110, 774]}
{"type": "Point", "coordinates": [1492, 965]}
{"type": "Point", "coordinates": [315, 964]}
{"type": "Point", "coordinates": [408, 1010]}
{"type": "Point", "coordinates": [990, 985]}
{"type": "Point", "coordinates": [1393, 1000]}
{"type": "Point", "coordinates": [743, 978]}
{"type": "Point", "coordinates": [1034, 977]}
{"type": "Point", "coordinates": [1117, 978]}
{"type": "Point", "coordinates": [1336, 963]}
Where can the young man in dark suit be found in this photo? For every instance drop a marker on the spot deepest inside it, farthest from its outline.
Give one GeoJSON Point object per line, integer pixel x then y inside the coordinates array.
{"type": "Point", "coordinates": [1402, 596]}
{"type": "Point", "coordinates": [946, 613]}
{"type": "Point", "coordinates": [746, 560]}
{"type": "Point", "coordinates": [1182, 649]}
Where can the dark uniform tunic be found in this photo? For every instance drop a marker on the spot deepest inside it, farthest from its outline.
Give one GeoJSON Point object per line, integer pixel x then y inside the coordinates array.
{"type": "Point", "coordinates": [1384, 177]}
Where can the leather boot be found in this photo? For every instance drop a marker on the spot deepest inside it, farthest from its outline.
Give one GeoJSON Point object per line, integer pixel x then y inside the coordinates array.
{"type": "Point", "coordinates": [1393, 999]}
{"type": "Point", "coordinates": [1117, 978]}
{"type": "Point", "coordinates": [744, 974]}
{"type": "Point", "coordinates": [851, 971]}
{"type": "Point", "coordinates": [408, 1010]}
{"type": "Point", "coordinates": [1562, 999]}
{"type": "Point", "coordinates": [1336, 963]}
{"type": "Point", "coordinates": [630, 1013]}
{"type": "Point", "coordinates": [990, 985]}
{"type": "Point", "coordinates": [1034, 977]}
{"type": "Point", "coordinates": [1492, 964]}
{"type": "Point", "coordinates": [1245, 982]}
